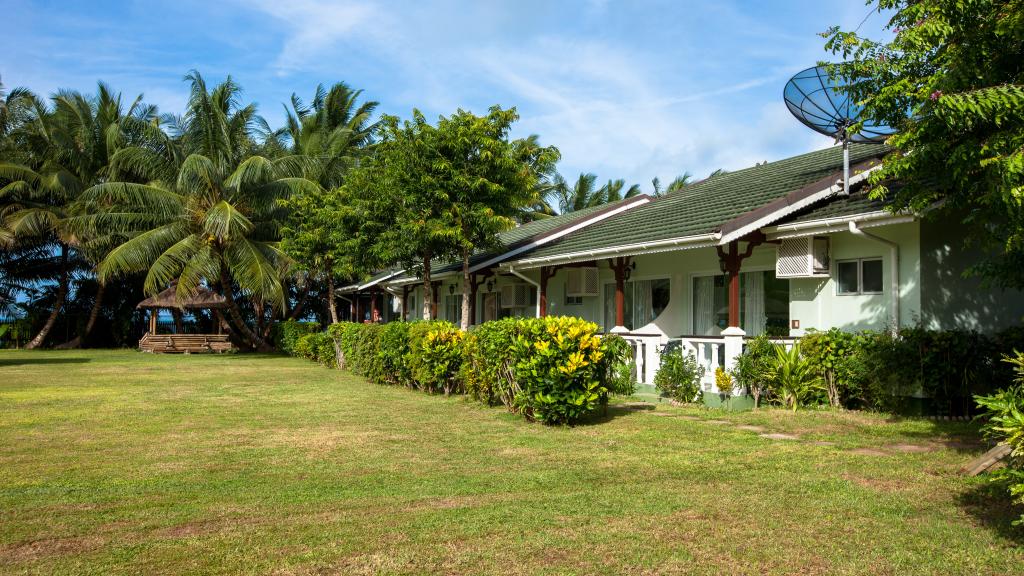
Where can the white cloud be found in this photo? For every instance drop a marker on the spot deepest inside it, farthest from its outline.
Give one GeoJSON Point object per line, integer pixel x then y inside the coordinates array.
{"type": "Point", "coordinates": [317, 27]}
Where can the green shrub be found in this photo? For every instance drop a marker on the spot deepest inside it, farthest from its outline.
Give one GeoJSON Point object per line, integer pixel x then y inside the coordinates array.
{"type": "Point", "coordinates": [488, 372]}
{"type": "Point", "coordinates": [1004, 412]}
{"type": "Point", "coordinates": [617, 365]}
{"type": "Point", "coordinates": [558, 369]}
{"type": "Point", "coordinates": [679, 376]}
{"type": "Point", "coordinates": [794, 379]}
{"type": "Point", "coordinates": [416, 362]}
{"type": "Point", "coordinates": [754, 367]}
{"type": "Point", "coordinates": [392, 366]}
{"type": "Point", "coordinates": [441, 359]}
{"type": "Point", "coordinates": [837, 359]}
{"type": "Point", "coordinates": [286, 334]}
{"type": "Point", "coordinates": [318, 347]}
{"type": "Point", "coordinates": [356, 347]}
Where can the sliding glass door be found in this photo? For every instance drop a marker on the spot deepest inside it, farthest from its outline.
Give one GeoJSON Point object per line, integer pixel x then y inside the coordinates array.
{"type": "Point", "coordinates": [645, 300]}
{"type": "Point", "coordinates": [764, 304]}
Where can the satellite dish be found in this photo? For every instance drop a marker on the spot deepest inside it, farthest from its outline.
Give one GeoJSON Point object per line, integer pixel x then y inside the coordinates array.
{"type": "Point", "coordinates": [820, 103]}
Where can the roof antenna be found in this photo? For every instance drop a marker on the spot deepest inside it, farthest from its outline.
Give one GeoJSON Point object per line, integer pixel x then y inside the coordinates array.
{"type": "Point", "coordinates": [821, 104]}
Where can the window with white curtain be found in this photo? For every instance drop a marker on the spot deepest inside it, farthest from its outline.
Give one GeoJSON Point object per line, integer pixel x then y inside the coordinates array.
{"type": "Point", "coordinates": [645, 300]}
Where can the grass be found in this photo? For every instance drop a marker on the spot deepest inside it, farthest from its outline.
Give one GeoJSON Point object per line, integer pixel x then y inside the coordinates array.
{"type": "Point", "coordinates": [115, 462]}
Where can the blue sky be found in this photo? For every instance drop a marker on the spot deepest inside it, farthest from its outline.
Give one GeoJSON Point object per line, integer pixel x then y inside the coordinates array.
{"type": "Point", "coordinates": [624, 89]}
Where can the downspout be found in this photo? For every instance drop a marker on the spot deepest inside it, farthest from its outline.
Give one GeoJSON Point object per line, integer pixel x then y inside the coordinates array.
{"type": "Point", "coordinates": [530, 282]}
{"type": "Point", "coordinates": [350, 314]}
{"type": "Point", "coordinates": [894, 273]}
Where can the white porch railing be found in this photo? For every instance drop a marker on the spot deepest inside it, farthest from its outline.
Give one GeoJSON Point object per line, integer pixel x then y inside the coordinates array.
{"type": "Point", "coordinates": [711, 352]}
{"type": "Point", "coordinates": [646, 355]}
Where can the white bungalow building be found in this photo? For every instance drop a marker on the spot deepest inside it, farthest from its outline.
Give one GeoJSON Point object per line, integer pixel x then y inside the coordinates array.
{"type": "Point", "coordinates": [774, 249]}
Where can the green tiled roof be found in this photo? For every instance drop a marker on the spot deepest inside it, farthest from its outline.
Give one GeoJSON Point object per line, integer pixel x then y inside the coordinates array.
{"type": "Point", "coordinates": [857, 203]}
{"type": "Point", "coordinates": [525, 233]}
{"type": "Point", "coordinates": [704, 206]}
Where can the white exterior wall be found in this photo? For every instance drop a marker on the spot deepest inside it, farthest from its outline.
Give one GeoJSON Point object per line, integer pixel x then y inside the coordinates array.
{"type": "Point", "coordinates": [815, 303]}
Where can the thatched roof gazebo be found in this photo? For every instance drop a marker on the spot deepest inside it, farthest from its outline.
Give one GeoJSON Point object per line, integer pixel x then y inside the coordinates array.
{"type": "Point", "coordinates": [203, 299]}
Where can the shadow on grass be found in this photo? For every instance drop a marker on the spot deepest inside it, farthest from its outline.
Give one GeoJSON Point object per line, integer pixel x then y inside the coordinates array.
{"type": "Point", "coordinates": [41, 360]}
{"type": "Point", "coordinates": [989, 503]}
{"type": "Point", "coordinates": [613, 411]}
{"type": "Point", "coordinates": [963, 436]}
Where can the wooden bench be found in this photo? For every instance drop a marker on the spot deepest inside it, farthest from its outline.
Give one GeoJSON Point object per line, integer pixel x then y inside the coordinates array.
{"type": "Point", "coordinates": [185, 343]}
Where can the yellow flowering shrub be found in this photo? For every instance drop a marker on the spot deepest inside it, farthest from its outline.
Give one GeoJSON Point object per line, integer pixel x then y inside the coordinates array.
{"type": "Point", "coordinates": [440, 359]}
{"type": "Point", "coordinates": [559, 369]}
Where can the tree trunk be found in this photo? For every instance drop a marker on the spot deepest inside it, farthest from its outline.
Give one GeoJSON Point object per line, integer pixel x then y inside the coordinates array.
{"type": "Point", "coordinates": [77, 341]}
{"type": "Point", "coordinates": [268, 327]}
{"type": "Point", "coordinates": [235, 315]}
{"type": "Point", "coordinates": [62, 294]}
{"type": "Point", "coordinates": [466, 290]}
{"type": "Point", "coordinates": [297, 311]}
{"type": "Point", "coordinates": [428, 288]}
{"type": "Point", "coordinates": [330, 298]}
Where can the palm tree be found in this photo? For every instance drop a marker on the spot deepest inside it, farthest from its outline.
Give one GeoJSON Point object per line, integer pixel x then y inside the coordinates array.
{"type": "Point", "coordinates": [89, 130]}
{"type": "Point", "coordinates": [69, 146]}
{"type": "Point", "coordinates": [582, 194]}
{"type": "Point", "coordinates": [612, 191]}
{"type": "Point", "coordinates": [322, 142]}
{"type": "Point", "coordinates": [208, 213]}
{"type": "Point", "coordinates": [36, 193]}
{"type": "Point", "coordinates": [678, 183]}
{"type": "Point", "coordinates": [329, 135]}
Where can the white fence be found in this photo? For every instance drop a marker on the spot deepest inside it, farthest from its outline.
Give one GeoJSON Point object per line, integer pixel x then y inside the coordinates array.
{"type": "Point", "coordinates": [711, 352]}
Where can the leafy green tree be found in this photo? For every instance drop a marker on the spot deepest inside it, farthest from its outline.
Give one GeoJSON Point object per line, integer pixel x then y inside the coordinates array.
{"type": "Point", "coordinates": [400, 207]}
{"type": "Point", "coordinates": [951, 80]}
{"type": "Point", "coordinates": [208, 212]}
{"type": "Point", "coordinates": [487, 179]}
{"type": "Point", "coordinates": [318, 235]}
{"type": "Point", "coordinates": [444, 191]}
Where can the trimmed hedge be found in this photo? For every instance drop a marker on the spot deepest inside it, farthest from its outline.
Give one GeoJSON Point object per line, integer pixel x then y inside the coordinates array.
{"type": "Point", "coordinates": [286, 334]}
{"type": "Point", "coordinates": [555, 370]}
{"type": "Point", "coordinates": [877, 370]}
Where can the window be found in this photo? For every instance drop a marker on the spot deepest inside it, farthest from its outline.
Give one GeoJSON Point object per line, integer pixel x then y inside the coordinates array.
{"type": "Point", "coordinates": [573, 300]}
{"type": "Point", "coordinates": [453, 307]}
{"type": "Point", "coordinates": [645, 300]}
{"type": "Point", "coordinates": [859, 277]}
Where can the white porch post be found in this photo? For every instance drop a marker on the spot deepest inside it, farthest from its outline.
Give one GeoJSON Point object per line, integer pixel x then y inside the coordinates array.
{"type": "Point", "coordinates": [733, 337]}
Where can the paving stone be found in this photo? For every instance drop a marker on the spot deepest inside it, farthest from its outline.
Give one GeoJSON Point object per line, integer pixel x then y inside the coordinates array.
{"type": "Point", "coordinates": [750, 428]}
{"type": "Point", "coordinates": [869, 452]}
{"type": "Point", "coordinates": [779, 436]}
{"type": "Point", "coordinates": [911, 448]}
{"type": "Point", "coordinates": [717, 422]}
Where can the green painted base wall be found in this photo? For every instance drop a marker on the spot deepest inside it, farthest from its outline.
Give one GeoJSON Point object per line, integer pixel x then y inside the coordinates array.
{"type": "Point", "coordinates": [732, 403]}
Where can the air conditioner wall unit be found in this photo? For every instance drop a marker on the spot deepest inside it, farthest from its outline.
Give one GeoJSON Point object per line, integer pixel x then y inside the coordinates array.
{"type": "Point", "coordinates": [581, 282]}
{"type": "Point", "coordinates": [808, 257]}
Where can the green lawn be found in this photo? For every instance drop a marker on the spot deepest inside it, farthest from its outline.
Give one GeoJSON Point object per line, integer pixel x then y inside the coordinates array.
{"type": "Point", "coordinates": [124, 463]}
